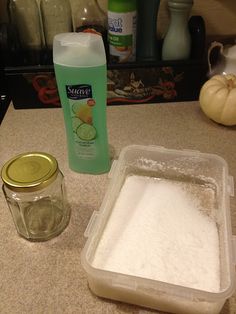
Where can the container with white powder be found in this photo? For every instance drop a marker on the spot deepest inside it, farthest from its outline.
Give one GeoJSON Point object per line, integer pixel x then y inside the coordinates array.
{"type": "Point", "coordinates": [162, 238]}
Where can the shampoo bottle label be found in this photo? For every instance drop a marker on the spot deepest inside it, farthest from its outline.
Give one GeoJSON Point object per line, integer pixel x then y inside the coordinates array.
{"type": "Point", "coordinates": [81, 108]}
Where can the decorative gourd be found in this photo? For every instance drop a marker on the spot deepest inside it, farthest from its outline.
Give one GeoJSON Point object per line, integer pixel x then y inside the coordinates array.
{"type": "Point", "coordinates": [218, 99]}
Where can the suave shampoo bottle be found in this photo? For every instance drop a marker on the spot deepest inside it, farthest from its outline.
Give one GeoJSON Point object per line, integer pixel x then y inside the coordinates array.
{"type": "Point", "coordinates": [80, 68]}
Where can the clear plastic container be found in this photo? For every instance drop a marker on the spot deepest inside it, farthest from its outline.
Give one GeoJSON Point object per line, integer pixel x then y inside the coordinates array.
{"type": "Point", "coordinates": [180, 166]}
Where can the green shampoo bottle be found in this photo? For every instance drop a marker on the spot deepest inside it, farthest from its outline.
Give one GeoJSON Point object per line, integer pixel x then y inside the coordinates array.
{"type": "Point", "coordinates": [81, 75]}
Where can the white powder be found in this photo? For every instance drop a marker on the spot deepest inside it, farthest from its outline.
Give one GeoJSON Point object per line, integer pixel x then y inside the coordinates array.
{"type": "Point", "coordinates": [158, 230]}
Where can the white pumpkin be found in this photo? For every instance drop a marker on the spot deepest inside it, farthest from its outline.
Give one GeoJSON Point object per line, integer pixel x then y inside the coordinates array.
{"type": "Point", "coordinates": [218, 99]}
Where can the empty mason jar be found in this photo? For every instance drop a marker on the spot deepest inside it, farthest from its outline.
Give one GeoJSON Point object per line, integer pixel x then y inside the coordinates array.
{"type": "Point", "coordinates": [34, 189]}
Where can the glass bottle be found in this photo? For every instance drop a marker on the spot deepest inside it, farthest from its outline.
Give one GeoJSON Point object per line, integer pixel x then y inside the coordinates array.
{"type": "Point", "coordinates": [56, 19]}
{"type": "Point", "coordinates": [147, 48]}
{"type": "Point", "coordinates": [177, 42]}
{"type": "Point", "coordinates": [56, 16]}
{"type": "Point", "coordinates": [25, 17]}
{"type": "Point", "coordinates": [89, 17]}
{"type": "Point", "coordinates": [198, 36]}
{"type": "Point", "coordinates": [34, 189]}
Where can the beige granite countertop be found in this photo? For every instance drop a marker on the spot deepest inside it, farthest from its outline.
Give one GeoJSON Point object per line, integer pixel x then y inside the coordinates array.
{"type": "Point", "coordinates": [48, 277]}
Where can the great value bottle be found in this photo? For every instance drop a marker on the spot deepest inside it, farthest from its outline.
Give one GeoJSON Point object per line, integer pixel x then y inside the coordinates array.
{"type": "Point", "coordinates": [122, 15]}
{"type": "Point", "coordinates": [80, 68]}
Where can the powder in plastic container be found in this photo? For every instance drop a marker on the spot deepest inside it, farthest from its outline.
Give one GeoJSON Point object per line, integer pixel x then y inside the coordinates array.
{"type": "Point", "coordinates": [159, 230]}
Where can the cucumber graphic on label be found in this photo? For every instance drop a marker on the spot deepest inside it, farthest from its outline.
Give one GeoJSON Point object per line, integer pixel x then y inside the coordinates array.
{"type": "Point", "coordinates": [75, 107]}
{"type": "Point", "coordinates": [75, 123]}
{"type": "Point", "coordinates": [83, 111]}
{"type": "Point", "coordinates": [86, 132]}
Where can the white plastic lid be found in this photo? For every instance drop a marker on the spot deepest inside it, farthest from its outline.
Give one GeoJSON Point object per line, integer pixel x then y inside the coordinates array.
{"type": "Point", "coordinates": [78, 49]}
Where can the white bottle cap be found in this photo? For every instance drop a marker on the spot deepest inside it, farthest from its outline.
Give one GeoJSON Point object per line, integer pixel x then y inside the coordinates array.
{"type": "Point", "coordinates": [79, 49]}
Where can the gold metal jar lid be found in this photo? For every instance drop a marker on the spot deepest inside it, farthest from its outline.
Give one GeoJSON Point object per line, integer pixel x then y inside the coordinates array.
{"type": "Point", "coordinates": [30, 172]}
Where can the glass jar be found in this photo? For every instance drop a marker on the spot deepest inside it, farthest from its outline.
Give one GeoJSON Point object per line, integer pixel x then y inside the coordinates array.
{"type": "Point", "coordinates": [34, 189]}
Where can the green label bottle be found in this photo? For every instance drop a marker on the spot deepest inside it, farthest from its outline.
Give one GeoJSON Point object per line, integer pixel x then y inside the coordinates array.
{"type": "Point", "coordinates": [122, 16]}
{"type": "Point", "coordinates": [80, 68]}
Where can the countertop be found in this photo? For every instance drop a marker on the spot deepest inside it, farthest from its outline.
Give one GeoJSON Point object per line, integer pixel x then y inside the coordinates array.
{"type": "Point", "coordinates": [48, 277]}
